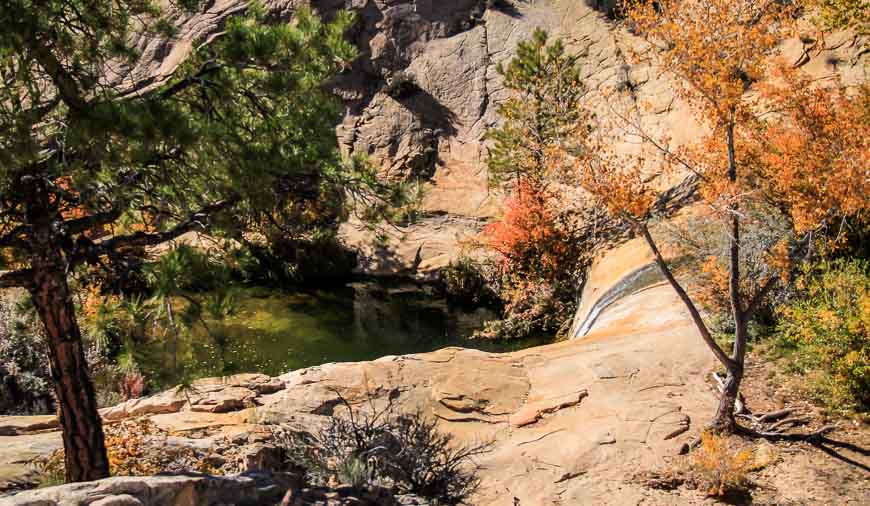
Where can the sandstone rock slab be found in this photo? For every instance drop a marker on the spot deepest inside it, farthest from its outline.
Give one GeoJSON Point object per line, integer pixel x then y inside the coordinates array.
{"type": "Point", "coordinates": [176, 490]}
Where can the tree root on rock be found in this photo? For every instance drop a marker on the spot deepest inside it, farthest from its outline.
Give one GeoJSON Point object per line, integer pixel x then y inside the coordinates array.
{"type": "Point", "coordinates": [773, 425]}
{"type": "Point", "coordinates": [796, 420]}
{"type": "Point", "coordinates": [817, 436]}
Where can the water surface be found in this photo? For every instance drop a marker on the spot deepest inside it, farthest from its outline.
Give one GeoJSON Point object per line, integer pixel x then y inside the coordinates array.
{"type": "Point", "coordinates": [274, 332]}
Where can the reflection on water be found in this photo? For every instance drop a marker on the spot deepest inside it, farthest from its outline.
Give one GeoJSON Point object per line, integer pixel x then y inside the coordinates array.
{"type": "Point", "coordinates": [275, 332]}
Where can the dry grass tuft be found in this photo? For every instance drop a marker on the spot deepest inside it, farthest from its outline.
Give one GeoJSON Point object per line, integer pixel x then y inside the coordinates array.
{"type": "Point", "coordinates": [720, 467]}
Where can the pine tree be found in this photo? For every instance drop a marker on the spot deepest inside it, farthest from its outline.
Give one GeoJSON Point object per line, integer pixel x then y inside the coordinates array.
{"type": "Point", "coordinates": [92, 166]}
{"type": "Point", "coordinates": [541, 116]}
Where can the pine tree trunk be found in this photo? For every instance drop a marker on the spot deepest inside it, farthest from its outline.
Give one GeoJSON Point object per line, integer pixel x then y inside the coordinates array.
{"type": "Point", "coordinates": [85, 451]}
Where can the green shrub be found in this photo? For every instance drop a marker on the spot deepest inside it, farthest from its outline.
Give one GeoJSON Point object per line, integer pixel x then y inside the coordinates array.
{"type": "Point", "coordinates": [467, 283]}
{"type": "Point", "coordinates": [826, 330]}
{"type": "Point", "coordinates": [532, 307]}
{"type": "Point", "coordinates": [284, 261]}
{"type": "Point", "coordinates": [25, 378]}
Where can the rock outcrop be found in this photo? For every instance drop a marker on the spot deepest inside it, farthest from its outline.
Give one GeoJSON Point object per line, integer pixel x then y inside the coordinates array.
{"type": "Point", "coordinates": [254, 489]}
{"type": "Point", "coordinates": [248, 489]}
{"type": "Point", "coordinates": [573, 419]}
{"type": "Point", "coordinates": [424, 91]}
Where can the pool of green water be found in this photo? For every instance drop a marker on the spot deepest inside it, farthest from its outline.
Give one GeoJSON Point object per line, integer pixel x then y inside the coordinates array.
{"type": "Point", "coordinates": [274, 332]}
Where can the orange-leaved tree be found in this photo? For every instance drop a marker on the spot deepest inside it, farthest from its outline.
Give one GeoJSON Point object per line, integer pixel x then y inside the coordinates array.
{"type": "Point", "coordinates": [779, 145]}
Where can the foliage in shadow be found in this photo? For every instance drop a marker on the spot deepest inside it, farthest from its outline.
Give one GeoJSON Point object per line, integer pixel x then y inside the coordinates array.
{"type": "Point", "coordinates": [611, 8]}
{"type": "Point", "coordinates": [379, 448]}
{"type": "Point", "coordinates": [507, 7]}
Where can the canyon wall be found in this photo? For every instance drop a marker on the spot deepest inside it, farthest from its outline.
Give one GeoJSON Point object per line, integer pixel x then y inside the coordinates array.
{"type": "Point", "coordinates": [424, 91]}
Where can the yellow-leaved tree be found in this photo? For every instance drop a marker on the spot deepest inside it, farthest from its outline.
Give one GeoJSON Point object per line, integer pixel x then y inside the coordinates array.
{"type": "Point", "coordinates": [780, 145]}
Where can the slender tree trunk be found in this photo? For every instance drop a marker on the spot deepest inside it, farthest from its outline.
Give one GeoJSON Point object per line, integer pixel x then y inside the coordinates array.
{"type": "Point", "coordinates": [687, 301]}
{"type": "Point", "coordinates": [174, 330]}
{"type": "Point", "coordinates": [724, 420]}
{"type": "Point", "coordinates": [85, 451]}
{"type": "Point", "coordinates": [83, 441]}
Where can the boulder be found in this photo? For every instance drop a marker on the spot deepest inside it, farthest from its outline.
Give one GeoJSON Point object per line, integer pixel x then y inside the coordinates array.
{"type": "Point", "coordinates": [17, 454]}
{"type": "Point", "coordinates": [346, 496]}
{"type": "Point", "coordinates": [222, 399]}
{"type": "Point", "coordinates": [261, 384]}
{"type": "Point", "coordinates": [253, 489]}
{"type": "Point", "coordinates": [261, 457]}
{"type": "Point", "coordinates": [210, 395]}
{"type": "Point", "coordinates": [170, 401]}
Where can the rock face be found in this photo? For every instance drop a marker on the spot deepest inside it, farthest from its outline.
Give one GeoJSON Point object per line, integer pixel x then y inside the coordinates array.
{"type": "Point", "coordinates": [424, 91]}
{"type": "Point", "coordinates": [437, 129]}
{"type": "Point", "coordinates": [449, 51]}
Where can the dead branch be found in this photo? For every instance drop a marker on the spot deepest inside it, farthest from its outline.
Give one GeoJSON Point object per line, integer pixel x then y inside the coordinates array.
{"type": "Point", "coordinates": [812, 437]}
{"type": "Point", "coordinates": [797, 420]}
{"type": "Point", "coordinates": [774, 415]}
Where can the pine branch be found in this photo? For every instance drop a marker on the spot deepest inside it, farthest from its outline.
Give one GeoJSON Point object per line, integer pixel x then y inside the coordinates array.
{"type": "Point", "coordinates": [197, 220]}
{"type": "Point", "coordinates": [22, 278]}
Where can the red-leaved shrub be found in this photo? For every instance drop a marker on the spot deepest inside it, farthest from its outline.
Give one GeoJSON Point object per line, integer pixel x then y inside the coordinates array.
{"type": "Point", "coordinates": [538, 263]}
{"type": "Point", "coordinates": [528, 237]}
